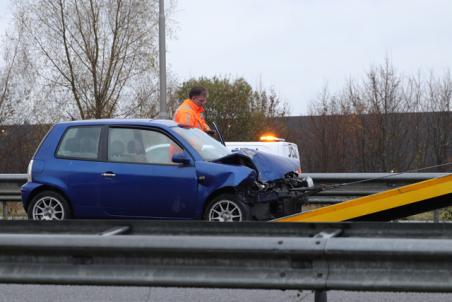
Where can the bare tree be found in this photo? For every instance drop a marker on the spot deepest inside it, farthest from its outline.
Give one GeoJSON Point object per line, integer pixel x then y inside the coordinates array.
{"type": "Point", "coordinates": [372, 125]}
{"type": "Point", "coordinates": [383, 94]}
{"type": "Point", "coordinates": [14, 79]}
{"type": "Point", "coordinates": [6, 78]}
{"type": "Point", "coordinates": [96, 58]}
{"type": "Point", "coordinates": [328, 134]}
{"type": "Point", "coordinates": [416, 140]}
{"type": "Point", "coordinates": [266, 107]}
{"type": "Point", "coordinates": [439, 102]}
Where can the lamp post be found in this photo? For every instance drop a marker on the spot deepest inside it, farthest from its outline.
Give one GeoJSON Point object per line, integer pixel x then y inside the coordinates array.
{"type": "Point", "coordinates": [162, 60]}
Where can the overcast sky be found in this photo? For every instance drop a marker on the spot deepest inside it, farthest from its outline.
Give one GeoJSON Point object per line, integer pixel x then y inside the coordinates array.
{"type": "Point", "coordinates": [298, 46]}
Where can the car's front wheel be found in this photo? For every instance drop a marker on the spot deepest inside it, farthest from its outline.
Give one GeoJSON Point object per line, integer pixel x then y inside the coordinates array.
{"type": "Point", "coordinates": [226, 208]}
{"type": "Point", "coordinates": [49, 205]}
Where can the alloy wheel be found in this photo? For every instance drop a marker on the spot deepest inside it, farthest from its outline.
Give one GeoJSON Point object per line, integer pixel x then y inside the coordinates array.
{"type": "Point", "coordinates": [48, 208]}
{"type": "Point", "coordinates": [225, 211]}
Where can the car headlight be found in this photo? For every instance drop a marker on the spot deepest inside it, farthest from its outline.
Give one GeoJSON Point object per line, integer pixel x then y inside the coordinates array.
{"type": "Point", "coordinates": [309, 181]}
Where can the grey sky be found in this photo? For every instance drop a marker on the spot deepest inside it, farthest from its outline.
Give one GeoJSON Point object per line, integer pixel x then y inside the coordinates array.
{"type": "Point", "coordinates": [297, 46]}
{"type": "Point", "coordinates": [5, 15]}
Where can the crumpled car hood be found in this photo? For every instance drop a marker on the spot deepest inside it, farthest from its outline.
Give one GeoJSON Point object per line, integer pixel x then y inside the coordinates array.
{"type": "Point", "coordinates": [270, 167]}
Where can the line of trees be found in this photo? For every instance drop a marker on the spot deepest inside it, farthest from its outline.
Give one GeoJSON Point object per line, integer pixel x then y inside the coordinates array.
{"type": "Point", "coordinates": [80, 59]}
{"type": "Point", "coordinates": [385, 122]}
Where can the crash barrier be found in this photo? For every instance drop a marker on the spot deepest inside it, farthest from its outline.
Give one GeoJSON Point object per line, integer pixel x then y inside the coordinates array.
{"type": "Point", "coordinates": [10, 190]}
{"type": "Point", "coordinates": [310, 256]}
{"type": "Point", "coordinates": [371, 183]}
{"type": "Point", "coordinates": [398, 203]}
{"type": "Point", "coordinates": [378, 182]}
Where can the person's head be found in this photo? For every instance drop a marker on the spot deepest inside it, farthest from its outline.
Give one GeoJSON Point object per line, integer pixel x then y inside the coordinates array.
{"type": "Point", "coordinates": [199, 95]}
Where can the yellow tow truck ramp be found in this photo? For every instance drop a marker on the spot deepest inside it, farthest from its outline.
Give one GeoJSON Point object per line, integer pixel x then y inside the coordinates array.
{"type": "Point", "coordinates": [393, 204]}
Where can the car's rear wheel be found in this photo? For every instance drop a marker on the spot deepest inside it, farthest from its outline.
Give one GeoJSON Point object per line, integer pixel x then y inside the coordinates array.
{"type": "Point", "coordinates": [49, 205]}
{"type": "Point", "coordinates": [226, 208]}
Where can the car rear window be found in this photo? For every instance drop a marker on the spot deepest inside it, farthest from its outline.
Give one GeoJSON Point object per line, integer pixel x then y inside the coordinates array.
{"type": "Point", "coordinates": [80, 143]}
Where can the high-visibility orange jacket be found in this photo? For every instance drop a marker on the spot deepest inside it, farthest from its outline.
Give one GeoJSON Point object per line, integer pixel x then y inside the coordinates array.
{"type": "Point", "coordinates": [190, 114]}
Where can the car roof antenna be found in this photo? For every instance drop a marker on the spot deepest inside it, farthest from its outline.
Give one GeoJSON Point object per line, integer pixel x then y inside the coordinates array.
{"type": "Point", "coordinates": [220, 135]}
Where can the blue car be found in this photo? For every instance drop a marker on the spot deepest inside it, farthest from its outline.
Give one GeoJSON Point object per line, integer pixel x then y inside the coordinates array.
{"type": "Point", "coordinates": [155, 169]}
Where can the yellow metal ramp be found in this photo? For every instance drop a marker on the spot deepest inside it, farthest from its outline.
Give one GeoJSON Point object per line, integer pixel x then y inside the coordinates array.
{"type": "Point", "coordinates": [384, 206]}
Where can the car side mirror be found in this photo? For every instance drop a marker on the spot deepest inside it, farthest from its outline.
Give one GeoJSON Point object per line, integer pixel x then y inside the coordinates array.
{"type": "Point", "coordinates": [181, 158]}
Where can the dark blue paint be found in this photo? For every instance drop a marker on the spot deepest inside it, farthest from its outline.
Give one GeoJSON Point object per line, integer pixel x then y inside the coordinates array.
{"type": "Point", "coordinates": [221, 176]}
{"type": "Point", "coordinates": [142, 190]}
{"type": "Point", "coordinates": [270, 166]}
{"type": "Point", "coordinates": [152, 191]}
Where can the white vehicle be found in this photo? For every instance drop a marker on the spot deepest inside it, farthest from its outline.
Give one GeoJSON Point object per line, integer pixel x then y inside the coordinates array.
{"type": "Point", "coordinates": [269, 144]}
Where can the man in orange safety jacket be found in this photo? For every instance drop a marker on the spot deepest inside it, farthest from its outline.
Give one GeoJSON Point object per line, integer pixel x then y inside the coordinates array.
{"type": "Point", "coordinates": [190, 112]}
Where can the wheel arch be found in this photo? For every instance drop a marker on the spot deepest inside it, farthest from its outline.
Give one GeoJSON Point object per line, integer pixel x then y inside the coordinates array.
{"type": "Point", "coordinates": [48, 188]}
{"type": "Point", "coordinates": [213, 195]}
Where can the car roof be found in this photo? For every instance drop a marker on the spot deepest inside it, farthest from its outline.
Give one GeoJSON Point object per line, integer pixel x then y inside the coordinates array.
{"type": "Point", "coordinates": [129, 122]}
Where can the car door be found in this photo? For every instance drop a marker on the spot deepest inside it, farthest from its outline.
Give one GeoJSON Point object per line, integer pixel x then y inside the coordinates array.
{"type": "Point", "coordinates": [76, 167]}
{"type": "Point", "coordinates": [140, 180]}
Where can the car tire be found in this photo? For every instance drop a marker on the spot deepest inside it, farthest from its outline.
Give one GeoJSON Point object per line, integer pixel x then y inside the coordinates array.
{"type": "Point", "coordinates": [226, 208]}
{"type": "Point", "coordinates": [49, 205]}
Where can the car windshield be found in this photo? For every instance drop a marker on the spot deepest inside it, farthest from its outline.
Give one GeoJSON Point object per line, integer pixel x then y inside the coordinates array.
{"type": "Point", "coordinates": [209, 148]}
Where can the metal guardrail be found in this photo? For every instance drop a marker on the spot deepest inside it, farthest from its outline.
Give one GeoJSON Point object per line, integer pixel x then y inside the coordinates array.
{"type": "Point", "coordinates": [10, 185]}
{"type": "Point", "coordinates": [378, 182]}
{"type": "Point", "coordinates": [10, 190]}
{"type": "Point", "coordinates": [342, 256]}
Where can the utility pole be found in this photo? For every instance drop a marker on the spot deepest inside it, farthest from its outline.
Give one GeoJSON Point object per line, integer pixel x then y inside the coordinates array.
{"type": "Point", "coordinates": [162, 60]}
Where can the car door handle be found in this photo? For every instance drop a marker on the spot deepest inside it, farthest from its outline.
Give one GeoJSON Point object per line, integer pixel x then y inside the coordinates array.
{"type": "Point", "coordinates": [108, 174]}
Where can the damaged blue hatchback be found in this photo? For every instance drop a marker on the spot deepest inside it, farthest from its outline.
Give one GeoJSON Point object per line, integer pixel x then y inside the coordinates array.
{"type": "Point", "coordinates": [155, 169]}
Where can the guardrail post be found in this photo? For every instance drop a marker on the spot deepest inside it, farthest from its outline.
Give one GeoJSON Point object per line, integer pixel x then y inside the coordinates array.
{"type": "Point", "coordinates": [320, 296]}
{"type": "Point", "coordinates": [321, 266]}
{"type": "Point", "coordinates": [436, 216]}
{"type": "Point", "coordinates": [5, 210]}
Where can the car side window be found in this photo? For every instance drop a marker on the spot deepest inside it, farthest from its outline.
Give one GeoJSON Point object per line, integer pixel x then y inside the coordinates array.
{"type": "Point", "coordinates": [140, 146]}
{"type": "Point", "coordinates": [80, 143]}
